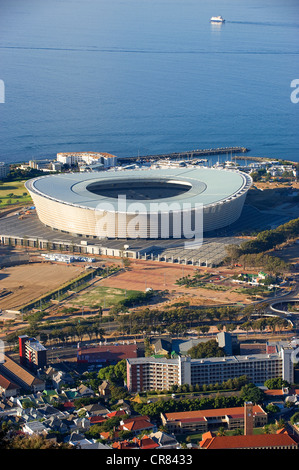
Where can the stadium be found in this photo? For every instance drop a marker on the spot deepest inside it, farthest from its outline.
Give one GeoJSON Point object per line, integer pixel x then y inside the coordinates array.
{"type": "Point", "coordinates": [145, 203]}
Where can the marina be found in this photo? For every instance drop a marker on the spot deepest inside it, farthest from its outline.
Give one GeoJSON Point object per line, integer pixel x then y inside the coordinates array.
{"type": "Point", "coordinates": [187, 154]}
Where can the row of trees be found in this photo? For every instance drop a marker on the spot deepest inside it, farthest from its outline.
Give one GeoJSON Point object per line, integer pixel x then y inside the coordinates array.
{"type": "Point", "coordinates": [247, 252]}
{"type": "Point", "coordinates": [134, 299]}
{"type": "Point", "coordinates": [177, 320]}
{"type": "Point", "coordinates": [249, 392]}
{"type": "Point", "coordinates": [231, 384]}
{"type": "Point", "coordinates": [74, 330]}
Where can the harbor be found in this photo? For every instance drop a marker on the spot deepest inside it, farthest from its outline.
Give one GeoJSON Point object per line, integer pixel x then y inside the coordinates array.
{"type": "Point", "coordinates": [183, 155]}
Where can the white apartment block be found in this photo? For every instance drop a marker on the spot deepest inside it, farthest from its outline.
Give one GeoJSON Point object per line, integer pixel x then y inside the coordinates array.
{"type": "Point", "coordinates": [87, 158]}
{"type": "Point", "coordinates": [149, 373]}
{"type": "Point", "coordinates": [4, 170]}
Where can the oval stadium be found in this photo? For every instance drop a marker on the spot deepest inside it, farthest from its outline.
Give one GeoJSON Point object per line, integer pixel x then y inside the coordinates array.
{"type": "Point", "coordinates": [144, 203]}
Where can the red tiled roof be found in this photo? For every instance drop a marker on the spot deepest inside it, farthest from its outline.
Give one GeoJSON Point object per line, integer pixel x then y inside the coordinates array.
{"type": "Point", "coordinates": [116, 413]}
{"type": "Point", "coordinates": [13, 368]}
{"type": "Point", "coordinates": [199, 414]}
{"type": "Point", "coordinates": [106, 435]}
{"type": "Point", "coordinates": [96, 419]}
{"type": "Point", "coordinates": [68, 404]}
{"type": "Point", "coordinates": [137, 423]}
{"type": "Point", "coordinates": [244, 442]}
{"type": "Point", "coordinates": [7, 384]}
{"type": "Point", "coordinates": [146, 443]}
{"type": "Point", "coordinates": [274, 392]}
{"type": "Point", "coordinates": [190, 420]}
{"type": "Point", "coordinates": [124, 445]}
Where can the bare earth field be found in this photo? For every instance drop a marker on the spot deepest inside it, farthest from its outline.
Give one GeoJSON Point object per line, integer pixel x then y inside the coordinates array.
{"type": "Point", "coordinates": [142, 275]}
{"type": "Point", "coordinates": [290, 254]}
{"type": "Point", "coordinates": [29, 281]}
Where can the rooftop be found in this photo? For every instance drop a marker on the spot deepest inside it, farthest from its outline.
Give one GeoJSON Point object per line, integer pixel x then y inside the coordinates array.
{"type": "Point", "coordinates": [202, 414]}
{"type": "Point", "coordinates": [206, 185]}
{"type": "Point", "coordinates": [251, 441]}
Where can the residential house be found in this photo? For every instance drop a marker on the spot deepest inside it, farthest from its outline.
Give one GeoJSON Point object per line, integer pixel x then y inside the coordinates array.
{"type": "Point", "coordinates": [137, 424]}
{"type": "Point", "coordinates": [164, 441]}
{"type": "Point", "coordinates": [93, 444]}
{"type": "Point", "coordinates": [56, 424]}
{"type": "Point", "coordinates": [162, 346]}
{"type": "Point", "coordinates": [145, 443]}
{"type": "Point", "coordinates": [76, 439]}
{"type": "Point", "coordinates": [104, 389]}
{"type": "Point", "coordinates": [34, 427]}
{"type": "Point", "coordinates": [95, 409]}
{"type": "Point", "coordinates": [115, 413]}
{"type": "Point", "coordinates": [8, 388]}
{"type": "Point", "coordinates": [60, 378]}
{"type": "Point", "coordinates": [96, 420]}
{"type": "Point", "coordinates": [125, 444]}
{"type": "Point", "coordinates": [84, 391]}
{"type": "Point", "coordinates": [83, 424]}
{"type": "Point", "coordinates": [124, 405]}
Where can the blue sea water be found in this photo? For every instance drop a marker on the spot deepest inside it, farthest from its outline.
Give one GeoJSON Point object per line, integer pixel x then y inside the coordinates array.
{"type": "Point", "coordinates": [148, 76]}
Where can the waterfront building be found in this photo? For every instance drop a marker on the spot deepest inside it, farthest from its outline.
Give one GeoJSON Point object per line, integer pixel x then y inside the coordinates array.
{"type": "Point", "coordinates": [4, 170]}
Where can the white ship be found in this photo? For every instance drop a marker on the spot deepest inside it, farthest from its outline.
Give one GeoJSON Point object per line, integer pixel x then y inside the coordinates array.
{"type": "Point", "coordinates": [217, 19]}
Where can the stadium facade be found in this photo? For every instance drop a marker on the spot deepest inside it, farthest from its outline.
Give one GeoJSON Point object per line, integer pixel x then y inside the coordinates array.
{"type": "Point", "coordinates": [146, 204]}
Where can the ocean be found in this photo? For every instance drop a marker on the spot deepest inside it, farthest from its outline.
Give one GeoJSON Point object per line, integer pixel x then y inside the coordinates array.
{"type": "Point", "coordinates": [140, 77]}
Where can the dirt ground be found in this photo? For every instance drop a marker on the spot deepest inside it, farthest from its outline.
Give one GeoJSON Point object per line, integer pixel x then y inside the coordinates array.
{"type": "Point", "coordinates": [29, 281]}
{"type": "Point", "coordinates": [143, 275]}
{"type": "Point", "coordinates": [290, 254]}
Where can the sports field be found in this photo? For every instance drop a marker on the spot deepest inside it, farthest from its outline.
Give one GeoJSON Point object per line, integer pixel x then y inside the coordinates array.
{"type": "Point", "coordinates": [13, 193]}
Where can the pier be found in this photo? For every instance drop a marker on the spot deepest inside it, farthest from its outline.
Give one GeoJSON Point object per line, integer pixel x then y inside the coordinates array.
{"type": "Point", "coordinates": [187, 154]}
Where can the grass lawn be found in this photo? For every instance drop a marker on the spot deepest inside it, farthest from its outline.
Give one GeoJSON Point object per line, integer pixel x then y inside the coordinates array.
{"type": "Point", "coordinates": [104, 296]}
{"type": "Point", "coordinates": [13, 192]}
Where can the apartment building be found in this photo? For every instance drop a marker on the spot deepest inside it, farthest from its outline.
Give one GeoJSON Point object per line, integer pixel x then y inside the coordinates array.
{"type": "Point", "coordinates": [89, 158]}
{"type": "Point", "coordinates": [150, 373]}
{"type": "Point", "coordinates": [4, 170]}
{"type": "Point", "coordinates": [32, 353]}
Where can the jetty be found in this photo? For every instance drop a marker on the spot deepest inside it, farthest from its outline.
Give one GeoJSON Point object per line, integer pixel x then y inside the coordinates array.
{"type": "Point", "coordinates": [186, 154]}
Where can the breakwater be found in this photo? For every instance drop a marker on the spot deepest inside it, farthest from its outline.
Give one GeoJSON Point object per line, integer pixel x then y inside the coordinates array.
{"type": "Point", "coordinates": [186, 154]}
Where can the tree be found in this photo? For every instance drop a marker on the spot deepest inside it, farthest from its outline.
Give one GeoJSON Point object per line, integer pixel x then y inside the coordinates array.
{"type": "Point", "coordinates": [208, 349]}
{"type": "Point", "coordinates": [221, 431]}
{"type": "Point", "coordinates": [276, 383]}
{"type": "Point", "coordinates": [271, 408]}
{"type": "Point", "coordinates": [295, 418]}
{"type": "Point", "coordinates": [251, 392]}
{"type": "Point", "coordinates": [34, 442]}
